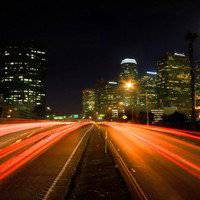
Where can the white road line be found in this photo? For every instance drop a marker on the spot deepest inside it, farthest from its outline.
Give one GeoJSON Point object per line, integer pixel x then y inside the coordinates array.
{"type": "Point", "coordinates": [64, 168]}
{"type": "Point", "coordinates": [14, 138]}
{"type": "Point", "coordinates": [133, 170]}
{"type": "Point", "coordinates": [17, 141]}
{"type": "Point", "coordinates": [140, 191]}
{"type": "Point", "coordinates": [30, 135]}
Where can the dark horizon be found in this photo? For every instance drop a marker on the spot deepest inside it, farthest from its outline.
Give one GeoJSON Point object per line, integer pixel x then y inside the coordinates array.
{"type": "Point", "coordinates": [88, 42]}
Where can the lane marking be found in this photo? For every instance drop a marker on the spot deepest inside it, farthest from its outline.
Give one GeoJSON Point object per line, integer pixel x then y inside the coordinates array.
{"type": "Point", "coordinates": [17, 141]}
{"type": "Point", "coordinates": [12, 164]}
{"type": "Point", "coordinates": [133, 170]}
{"type": "Point", "coordinates": [29, 135]}
{"type": "Point", "coordinates": [50, 190]}
{"type": "Point", "coordinates": [12, 139]}
{"type": "Point", "coordinates": [137, 188]}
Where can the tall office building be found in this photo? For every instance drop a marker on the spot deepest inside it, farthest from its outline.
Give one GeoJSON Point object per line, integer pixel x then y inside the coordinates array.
{"type": "Point", "coordinates": [174, 82]}
{"type": "Point", "coordinates": [22, 78]}
{"type": "Point", "coordinates": [148, 91]}
{"type": "Point", "coordinates": [88, 103]}
{"type": "Point", "coordinates": [128, 70]}
{"type": "Point", "coordinates": [128, 74]}
{"type": "Point", "coordinates": [197, 89]}
{"type": "Point", "coordinates": [112, 94]}
{"type": "Point", "coordinates": [107, 99]}
{"type": "Point", "coordinates": [100, 97]}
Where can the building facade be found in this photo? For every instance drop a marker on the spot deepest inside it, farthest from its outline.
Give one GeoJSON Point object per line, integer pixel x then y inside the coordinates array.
{"type": "Point", "coordinates": [128, 70]}
{"type": "Point", "coordinates": [101, 98]}
{"type": "Point", "coordinates": [129, 84]}
{"type": "Point", "coordinates": [112, 94]}
{"type": "Point", "coordinates": [88, 103]}
{"type": "Point", "coordinates": [23, 79]}
{"type": "Point", "coordinates": [148, 91]}
{"type": "Point", "coordinates": [107, 98]}
{"type": "Point", "coordinates": [173, 82]}
{"type": "Point", "coordinates": [197, 89]}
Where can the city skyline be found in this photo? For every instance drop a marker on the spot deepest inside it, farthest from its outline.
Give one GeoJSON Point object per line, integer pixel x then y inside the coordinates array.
{"type": "Point", "coordinates": [100, 100]}
{"type": "Point", "coordinates": [83, 42]}
{"type": "Point", "coordinates": [166, 90]}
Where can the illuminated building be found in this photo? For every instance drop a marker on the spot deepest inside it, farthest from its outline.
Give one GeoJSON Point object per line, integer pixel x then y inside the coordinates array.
{"type": "Point", "coordinates": [148, 91]}
{"type": "Point", "coordinates": [107, 99]}
{"type": "Point", "coordinates": [88, 103]}
{"type": "Point", "coordinates": [22, 78]}
{"type": "Point", "coordinates": [100, 97]}
{"type": "Point", "coordinates": [128, 70]}
{"type": "Point", "coordinates": [128, 83]}
{"type": "Point", "coordinates": [197, 89]}
{"type": "Point", "coordinates": [174, 82]}
{"type": "Point", "coordinates": [112, 98]}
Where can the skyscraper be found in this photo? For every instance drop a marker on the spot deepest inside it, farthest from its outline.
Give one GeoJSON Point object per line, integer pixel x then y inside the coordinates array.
{"type": "Point", "coordinates": [107, 98]}
{"type": "Point", "coordinates": [197, 89]}
{"type": "Point", "coordinates": [101, 97]}
{"type": "Point", "coordinates": [174, 82]}
{"type": "Point", "coordinates": [128, 76]}
{"type": "Point", "coordinates": [128, 70]}
{"type": "Point", "coordinates": [88, 103]}
{"type": "Point", "coordinates": [148, 91]}
{"type": "Point", "coordinates": [23, 78]}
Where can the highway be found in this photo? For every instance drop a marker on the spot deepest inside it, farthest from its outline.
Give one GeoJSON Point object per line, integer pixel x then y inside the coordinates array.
{"type": "Point", "coordinates": [38, 160]}
{"type": "Point", "coordinates": [16, 127]}
{"type": "Point", "coordinates": [32, 158]}
{"type": "Point", "coordinates": [164, 162]}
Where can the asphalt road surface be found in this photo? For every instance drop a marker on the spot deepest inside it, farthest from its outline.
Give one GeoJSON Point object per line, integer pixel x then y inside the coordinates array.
{"type": "Point", "coordinates": [32, 168]}
{"type": "Point", "coordinates": [16, 127]}
{"type": "Point", "coordinates": [98, 175]}
{"type": "Point", "coordinates": [38, 160]}
{"type": "Point", "coordinates": [165, 162]}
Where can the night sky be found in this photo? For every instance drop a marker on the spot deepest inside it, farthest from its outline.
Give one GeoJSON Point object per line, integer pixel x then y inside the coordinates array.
{"type": "Point", "coordinates": [85, 42]}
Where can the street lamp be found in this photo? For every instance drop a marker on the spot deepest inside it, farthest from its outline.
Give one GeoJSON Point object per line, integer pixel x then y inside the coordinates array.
{"type": "Point", "coordinates": [121, 103]}
{"type": "Point", "coordinates": [147, 107]}
{"type": "Point", "coordinates": [128, 85]}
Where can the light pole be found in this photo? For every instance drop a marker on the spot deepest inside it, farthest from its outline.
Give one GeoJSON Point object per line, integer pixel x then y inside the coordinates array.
{"type": "Point", "coordinates": [147, 108]}
{"type": "Point", "coordinates": [130, 86]}
{"type": "Point", "coordinates": [191, 37]}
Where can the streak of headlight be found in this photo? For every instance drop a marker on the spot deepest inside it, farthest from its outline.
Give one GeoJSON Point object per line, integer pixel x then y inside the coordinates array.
{"type": "Point", "coordinates": [12, 164]}
{"type": "Point", "coordinates": [178, 160]}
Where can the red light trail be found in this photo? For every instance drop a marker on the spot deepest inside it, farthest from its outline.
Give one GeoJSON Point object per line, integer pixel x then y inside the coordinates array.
{"type": "Point", "coordinates": [160, 157]}
{"type": "Point", "coordinates": [10, 128]}
{"type": "Point", "coordinates": [35, 146]}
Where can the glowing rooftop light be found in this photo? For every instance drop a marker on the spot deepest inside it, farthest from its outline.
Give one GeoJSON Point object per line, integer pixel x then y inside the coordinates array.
{"type": "Point", "coordinates": [151, 73]}
{"type": "Point", "coordinates": [128, 60]}
{"type": "Point", "coordinates": [179, 54]}
{"type": "Point", "coordinates": [113, 82]}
